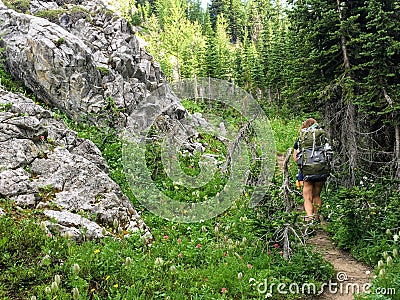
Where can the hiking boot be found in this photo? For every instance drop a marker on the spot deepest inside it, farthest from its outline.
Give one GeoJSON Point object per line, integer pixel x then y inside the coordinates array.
{"type": "Point", "coordinates": [310, 229]}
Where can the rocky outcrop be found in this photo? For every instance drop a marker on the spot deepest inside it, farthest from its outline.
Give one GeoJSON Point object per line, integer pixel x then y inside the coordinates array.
{"type": "Point", "coordinates": [45, 165]}
{"type": "Point", "coordinates": [83, 59]}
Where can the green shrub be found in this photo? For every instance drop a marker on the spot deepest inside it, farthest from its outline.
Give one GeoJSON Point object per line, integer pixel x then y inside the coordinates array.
{"type": "Point", "coordinates": [360, 216]}
{"type": "Point", "coordinates": [53, 15]}
{"type": "Point", "coordinates": [21, 6]}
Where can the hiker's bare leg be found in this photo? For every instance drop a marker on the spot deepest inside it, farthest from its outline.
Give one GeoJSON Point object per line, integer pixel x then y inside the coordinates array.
{"type": "Point", "coordinates": [316, 196]}
{"type": "Point", "coordinates": [308, 199]}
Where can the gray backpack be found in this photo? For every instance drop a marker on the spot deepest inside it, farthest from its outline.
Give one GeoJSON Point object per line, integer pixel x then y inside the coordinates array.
{"type": "Point", "coordinates": [315, 153]}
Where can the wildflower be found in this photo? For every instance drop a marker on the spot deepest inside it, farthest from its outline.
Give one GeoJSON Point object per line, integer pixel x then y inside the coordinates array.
{"type": "Point", "coordinates": [76, 268]}
{"type": "Point", "coordinates": [382, 272]}
{"type": "Point", "coordinates": [57, 279]}
{"type": "Point", "coordinates": [158, 262]}
{"type": "Point", "coordinates": [227, 227]}
{"type": "Point", "coordinates": [115, 223]}
{"type": "Point", "coordinates": [198, 246]}
{"type": "Point", "coordinates": [75, 293]}
{"type": "Point", "coordinates": [389, 260]}
{"type": "Point", "coordinates": [49, 234]}
{"type": "Point", "coordinates": [388, 232]}
{"type": "Point", "coordinates": [385, 255]}
{"type": "Point", "coordinates": [128, 262]}
{"type": "Point", "coordinates": [180, 255]}
{"type": "Point", "coordinates": [243, 219]}
{"type": "Point", "coordinates": [42, 138]}
{"type": "Point", "coordinates": [68, 234]}
{"type": "Point", "coordinates": [173, 269]}
{"type": "Point", "coordinates": [47, 290]}
{"type": "Point", "coordinates": [225, 254]}
{"type": "Point", "coordinates": [380, 264]}
{"type": "Point", "coordinates": [120, 230]}
{"type": "Point", "coordinates": [276, 245]}
{"type": "Point", "coordinates": [54, 286]}
{"type": "Point", "coordinates": [115, 285]}
{"type": "Point", "coordinates": [43, 225]}
{"type": "Point", "coordinates": [104, 231]}
{"type": "Point", "coordinates": [203, 228]}
{"type": "Point", "coordinates": [216, 229]}
{"type": "Point", "coordinates": [396, 237]}
{"type": "Point", "coordinates": [96, 251]}
{"type": "Point", "coordinates": [107, 277]}
{"type": "Point", "coordinates": [166, 237]}
{"type": "Point", "coordinates": [367, 272]}
{"type": "Point", "coordinates": [250, 266]}
{"type": "Point", "coordinates": [179, 240]}
{"type": "Point", "coordinates": [244, 240]}
{"type": "Point", "coordinates": [33, 298]}
{"type": "Point", "coordinates": [92, 290]}
{"type": "Point", "coordinates": [395, 253]}
{"type": "Point", "coordinates": [223, 290]}
{"type": "Point", "coordinates": [240, 276]}
{"type": "Point", "coordinates": [281, 252]}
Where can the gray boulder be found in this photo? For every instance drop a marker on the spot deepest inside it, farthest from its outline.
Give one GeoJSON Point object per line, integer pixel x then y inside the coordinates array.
{"type": "Point", "coordinates": [82, 59]}
{"type": "Point", "coordinates": [45, 165]}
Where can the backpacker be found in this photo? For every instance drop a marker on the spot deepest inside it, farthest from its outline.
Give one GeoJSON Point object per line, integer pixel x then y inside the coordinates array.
{"type": "Point", "coordinates": [315, 153]}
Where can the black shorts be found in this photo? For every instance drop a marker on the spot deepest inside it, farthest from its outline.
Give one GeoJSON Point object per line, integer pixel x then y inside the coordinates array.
{"type": "Point", "coordinates": [316, 177]}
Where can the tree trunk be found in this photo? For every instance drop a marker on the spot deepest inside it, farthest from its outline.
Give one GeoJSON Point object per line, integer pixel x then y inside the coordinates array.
{"type": "Point", "coordinates": [397, 149]}
{"type": "Point", "coordinates": [349, 123]}
{"type": "Point", "coordinates": [396, 136]}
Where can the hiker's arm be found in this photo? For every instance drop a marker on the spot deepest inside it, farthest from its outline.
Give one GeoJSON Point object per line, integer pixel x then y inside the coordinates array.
{"type": "Point", "coordinates": [295, 154]}
{"type": "Point", "coordinates": [295, 150]}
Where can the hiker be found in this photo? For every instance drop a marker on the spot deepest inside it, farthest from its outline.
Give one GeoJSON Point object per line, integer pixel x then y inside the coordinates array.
{"type": "Point", "coordinates": [311, 160]}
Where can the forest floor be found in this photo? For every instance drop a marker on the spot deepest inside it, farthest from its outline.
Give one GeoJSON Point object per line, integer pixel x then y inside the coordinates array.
{"type": "Point", "coordinates": [351, 275]}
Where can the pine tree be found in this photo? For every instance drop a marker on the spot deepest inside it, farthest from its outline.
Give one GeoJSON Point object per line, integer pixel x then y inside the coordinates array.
{"type": "Point", "coordinates": [379, 58]}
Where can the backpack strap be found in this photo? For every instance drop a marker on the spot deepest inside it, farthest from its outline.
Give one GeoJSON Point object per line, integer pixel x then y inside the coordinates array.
{"type": "Point", "coordinates": [313, 145]}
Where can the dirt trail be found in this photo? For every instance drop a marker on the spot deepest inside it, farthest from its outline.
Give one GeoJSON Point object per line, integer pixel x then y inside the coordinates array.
{"type": "Point", "coordinates": [351, 275]}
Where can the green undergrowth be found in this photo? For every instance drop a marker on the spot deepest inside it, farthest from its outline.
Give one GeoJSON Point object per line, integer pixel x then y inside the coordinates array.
{"type": "Point", "coordinates": [365, 220]}
{"type": "Point", "coordinates": [218, 259]}
{"type": "Point", "coordinates": [227, 257]}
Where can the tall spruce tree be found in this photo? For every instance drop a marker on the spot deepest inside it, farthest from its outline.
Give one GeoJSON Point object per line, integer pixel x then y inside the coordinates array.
{"type": "Point", "coordinates": [379, 74]}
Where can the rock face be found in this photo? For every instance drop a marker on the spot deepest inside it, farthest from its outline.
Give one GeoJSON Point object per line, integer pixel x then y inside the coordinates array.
{"type": "Point", "coordinates": [80, 57]}
{"type": "Point", "coordinates": [45, 165]}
